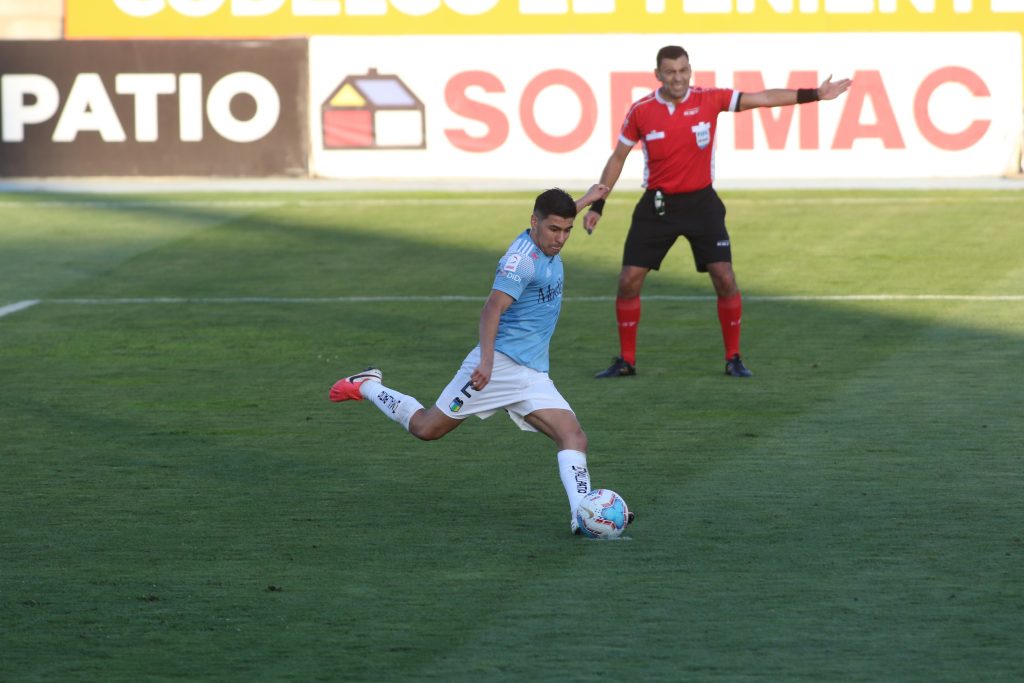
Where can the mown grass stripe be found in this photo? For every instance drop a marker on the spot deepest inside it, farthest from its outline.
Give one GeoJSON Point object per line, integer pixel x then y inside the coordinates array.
{"type": "Point", "coordinates": [628, 198]}
{"type": "Point", "coordinates": [457, 297]}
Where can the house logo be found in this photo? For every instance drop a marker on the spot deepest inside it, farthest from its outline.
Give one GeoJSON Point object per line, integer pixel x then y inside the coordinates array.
{"type": "Point", "coordinates": [373, 111]}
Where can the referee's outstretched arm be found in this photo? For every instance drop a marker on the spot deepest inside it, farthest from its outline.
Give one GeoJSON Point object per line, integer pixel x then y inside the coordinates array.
{"type": "Point", "coordinates": [781, 97]}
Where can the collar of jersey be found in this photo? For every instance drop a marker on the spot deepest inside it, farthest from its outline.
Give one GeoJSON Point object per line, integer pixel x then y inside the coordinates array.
{"type": "Point", "coordinates": [671, 106]}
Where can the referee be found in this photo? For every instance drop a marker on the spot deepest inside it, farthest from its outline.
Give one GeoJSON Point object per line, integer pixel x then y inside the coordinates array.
{"type": "Point", "coordinates": [676, 124]}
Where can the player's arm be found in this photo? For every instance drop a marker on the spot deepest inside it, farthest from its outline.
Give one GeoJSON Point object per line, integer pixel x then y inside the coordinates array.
{"type": "Point", "coordinates": [609, 176]}
{"type": "Point", "coordinates": [496, 304]}
{"type": "Point", "coordinates": [596, 192]}
{"type": "Point", "coordinates": [781, 97]}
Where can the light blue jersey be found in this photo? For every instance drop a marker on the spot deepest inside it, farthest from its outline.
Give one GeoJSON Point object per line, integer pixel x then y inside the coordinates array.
{"type": "Point", "coordinates": [535, 281]}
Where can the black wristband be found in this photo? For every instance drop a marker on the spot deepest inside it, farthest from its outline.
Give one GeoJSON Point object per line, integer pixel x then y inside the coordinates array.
{"type": "Point", "coordinates": [597, 207]}
{"type": "Point", "coordinates": [805, 95]}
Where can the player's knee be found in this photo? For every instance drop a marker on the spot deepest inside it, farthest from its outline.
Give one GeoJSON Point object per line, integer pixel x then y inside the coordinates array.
{"type": "Point", "coordinates": [426, 433]}
{"type": "Point", "coordinates": [724, 281]}
{"type": "Point", "coordinates": [575, 441]}
{"type": "Point", "coordinates": [629, 287]}
{"type": "Point", "coordinates": [631, 281]}
{"type": "Point", "coordinates": [425, 429]}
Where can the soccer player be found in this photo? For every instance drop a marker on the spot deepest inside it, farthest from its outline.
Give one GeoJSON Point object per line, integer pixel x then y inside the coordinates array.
{"type": "Point", "coordinates": [508, 369]}
{"type": "Point", "coordinates": [676, 124]}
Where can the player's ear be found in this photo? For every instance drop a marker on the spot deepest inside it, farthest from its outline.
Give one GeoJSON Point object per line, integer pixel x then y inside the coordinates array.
{"type": "Point", "coordinates": [533, 221]}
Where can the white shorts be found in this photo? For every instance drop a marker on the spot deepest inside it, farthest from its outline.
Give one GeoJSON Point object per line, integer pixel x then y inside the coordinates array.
{"type": "Point", "coordinates": [517, 389]}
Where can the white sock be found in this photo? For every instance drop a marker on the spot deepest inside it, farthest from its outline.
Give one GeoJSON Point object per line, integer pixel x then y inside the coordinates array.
{"type": "Point", "coordinates": [395, 405]}
{"type": "Point", "coordinates": [572, 467]}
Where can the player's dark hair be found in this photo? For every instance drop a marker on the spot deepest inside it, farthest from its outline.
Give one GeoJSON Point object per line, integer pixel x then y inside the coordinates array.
{"type": "Point", "coordinates": [554, 202]}
{"type": "Point", "coordinates": [670, 52]}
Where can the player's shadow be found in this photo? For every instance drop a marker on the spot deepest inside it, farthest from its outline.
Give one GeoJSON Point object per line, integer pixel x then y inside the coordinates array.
{"type": "Point", "coordinates": [375, 296]}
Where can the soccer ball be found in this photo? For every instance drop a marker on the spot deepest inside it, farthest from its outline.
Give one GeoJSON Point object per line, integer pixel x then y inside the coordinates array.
{"type": "Point", "coordinates": [602, 514]}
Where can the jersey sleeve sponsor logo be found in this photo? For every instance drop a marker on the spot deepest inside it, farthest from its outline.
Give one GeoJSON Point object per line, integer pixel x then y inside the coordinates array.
{"type": "Point", "coordinates": [515, 266]}
{"type": "Point", "coordinates": [515, 271]}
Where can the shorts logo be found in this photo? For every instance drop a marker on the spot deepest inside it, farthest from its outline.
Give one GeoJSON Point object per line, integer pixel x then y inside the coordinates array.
{"type": "Point", "coordinates": [457, 403]}
{"type": "Point", "coordinates": [722, 243]}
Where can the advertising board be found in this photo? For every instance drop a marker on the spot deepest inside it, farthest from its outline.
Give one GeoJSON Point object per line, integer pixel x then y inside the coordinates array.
{"type": "Point", "coordinates": [922, 105]}
{"type": "Point", "coordinates": [268, 18]}
{"type": "Point", "coordinates": [158, 108]}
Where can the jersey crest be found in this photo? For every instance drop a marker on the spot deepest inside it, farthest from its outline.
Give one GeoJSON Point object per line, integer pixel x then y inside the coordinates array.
{"type": "Point", "coordinates": [702, 134]}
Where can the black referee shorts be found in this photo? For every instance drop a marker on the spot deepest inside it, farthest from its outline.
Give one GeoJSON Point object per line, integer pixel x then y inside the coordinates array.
{"type": "Point", "coordinates": [698, 216]}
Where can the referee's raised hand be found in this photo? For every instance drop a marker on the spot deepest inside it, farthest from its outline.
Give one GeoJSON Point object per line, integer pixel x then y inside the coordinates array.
{"type": "Point", "coordinates": [594, 198]}
{"type": "Point", "coordinates": [829, 90]}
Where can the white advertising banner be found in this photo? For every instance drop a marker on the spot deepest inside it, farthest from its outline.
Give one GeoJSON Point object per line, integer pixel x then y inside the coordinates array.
{"type": "Point", "coordinates": [549, 107]}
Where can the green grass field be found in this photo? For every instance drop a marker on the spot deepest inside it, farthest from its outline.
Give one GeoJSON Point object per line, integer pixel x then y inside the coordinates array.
{"type": "Point", "coordinates": [179, 500]}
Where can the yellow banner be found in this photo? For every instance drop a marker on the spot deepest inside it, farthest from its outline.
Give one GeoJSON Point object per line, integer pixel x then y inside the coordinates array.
{"type": "Point", "coordinates": [278, 18]}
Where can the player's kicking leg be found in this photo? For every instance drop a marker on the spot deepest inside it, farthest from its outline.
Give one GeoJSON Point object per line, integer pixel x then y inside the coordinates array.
{"type": "Point", "coordinates": [426, 424]}
{"type": "Point", "coordinates": [347, 388]}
